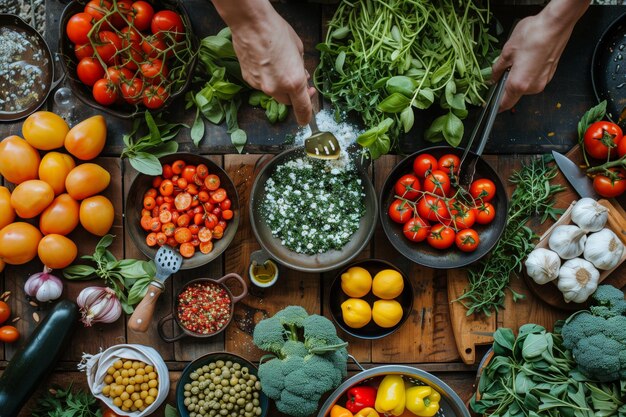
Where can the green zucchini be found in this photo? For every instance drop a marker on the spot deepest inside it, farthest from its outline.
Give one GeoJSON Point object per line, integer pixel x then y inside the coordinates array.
{"type": "Point", "coordinates": [36, 358]}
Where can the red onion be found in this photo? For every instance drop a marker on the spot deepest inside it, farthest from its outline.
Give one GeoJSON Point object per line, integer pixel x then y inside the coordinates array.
{"type": "Point", "coordinates": [43, 286]}
{"type": "Point", "coordinates": [98, 305]}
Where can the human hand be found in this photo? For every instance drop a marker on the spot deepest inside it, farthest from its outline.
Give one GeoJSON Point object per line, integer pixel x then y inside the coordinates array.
{"type": "Point", "coordinates": [271, 57]}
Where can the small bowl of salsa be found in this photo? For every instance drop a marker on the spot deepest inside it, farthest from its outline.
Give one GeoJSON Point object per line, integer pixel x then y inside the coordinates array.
{"type": "Point", "coordinates": [203, 308]}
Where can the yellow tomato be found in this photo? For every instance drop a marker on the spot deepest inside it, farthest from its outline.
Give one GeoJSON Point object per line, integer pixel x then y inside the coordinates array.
{"type": "Point", "coordinates": [45, 130]}
{"type": "Point", "coordinates": [31, 198]}
{"type": "Point", "coordinates": [18, 243]}
{"type": "Point", "coordinates": [387, 313]}
{"type": "Point", "coordinates": [388, 284]}
{"type": "Point", "coordinates": [86, 180]}
{"type": "Point", "coordinates": [7, 213]}
{"type": "Point", "coordinates": [97, 215]}
{"type": "Point", "coordinates": [56, 251]}
{"type": "Point", "coordinates": [356, 282]}
{"type": "Point", "coordinates": [60, 217]}
{"type": "Point", "coordinates": [54, 168]}
{"type": "Point", "coordinates": [356, 312]}
{"type": "Point", "coordinates": [86, 140]}
{"type": "Point", "coordinates": [18, 160]}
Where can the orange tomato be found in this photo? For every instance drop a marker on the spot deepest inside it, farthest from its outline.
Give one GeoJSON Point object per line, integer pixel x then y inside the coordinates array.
{"type": "Point", "coordinates": [9, 334]}
{"type": "Point", "coordinates": [2, 265]}
{"type": "Point", "coordinates": [18, 243]}
{"type": "Point", "coordinates": [86, 180]}
{"type": "Point", "coordinates": [60, 217]}
{"type": "Point", "coordinates": [7, 212]}
{"type": "Point", "coordinates": [86, 140]}
{"type": "Point", "coordinates": [97, 215]}
{"type": "Point", "coordinates": [18, 160]}
{"type": "Point", "coordinates": [31, 198]}
{"type": "Point", "coordinates": [54, 168]}
{"type": "Point", "coordinates": [45, 130]}
{"type": "Point", "coordinates": [56, 251]}
{"type": "Point", "coordinates": [5, 312]}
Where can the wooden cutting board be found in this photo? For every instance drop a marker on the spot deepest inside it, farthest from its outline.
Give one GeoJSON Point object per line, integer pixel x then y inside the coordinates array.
{"type": "Point", "coordinates": [474, 330]}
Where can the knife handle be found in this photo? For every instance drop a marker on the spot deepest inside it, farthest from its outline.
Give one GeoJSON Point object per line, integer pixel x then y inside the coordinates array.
{"type": "Point", "coordinates": [142, 316]}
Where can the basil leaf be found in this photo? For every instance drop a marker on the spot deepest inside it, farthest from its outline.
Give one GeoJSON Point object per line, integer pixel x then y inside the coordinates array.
{"type": "Point", "coordinates": [171, 411]}
{"type": "Point", "coordinates": [138, 290]}
{"type": "Point", "coordinates": [255, 98]}
{"type": "Point", "coordinates": [380, 146]}
{"type": "Point", "coordinates": [283, 111]}
{"type": "Point", "coordinates": [197, 129]}
{"type": "Point", "coordinates": [239, 139]}
{"type": "Point", "coordinates": [435, 132]}
{"type": "Point", "coordinates": [407, 117]}
{"type": "Point", "coordinates": [394, 103]}
{"type": "Point", "coordinates": [339, 61]}
{"type": "Point", "coordinates": [155, 135]}
{"type": "Point", "coordinates": [424, 99]}
{"type": "Point", "coordinates": [503, 339]}
{"type": "Point", "coordinates": [79, 272]}
{"type": "Point", "coordinates": [340, 33]}
{"type": "Point", "coordinates": [272, 112]}
{"type": "Point", "coordinates": [401, 84]}
{"type": "Point", "coordinates": [453, 130]}
{"type": "Point", "coordinates": [166, 148]}
{"type": "Point", "coordinates": [105, 241]}
{"type": "Point", "coordinates": [146, 163]}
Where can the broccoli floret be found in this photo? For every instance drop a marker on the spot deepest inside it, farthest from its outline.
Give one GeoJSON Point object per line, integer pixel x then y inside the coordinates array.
{"type": "Point", "coordinates": [294, 348]}
{"type": "Point", "coordinates": [597, 338]}
{"type": "Point", "coordinates": [292, 316]}
{"type": "Point", "coordinates": [271, 375]}
{"type": "Point", "coordinates": [320, 335]}
{"type": "Point", "coordinates": [295, 405]}
{"type": "Point", "coordinates": [339, 359]}
{"type": "Point", "coordinates": [269, 334]}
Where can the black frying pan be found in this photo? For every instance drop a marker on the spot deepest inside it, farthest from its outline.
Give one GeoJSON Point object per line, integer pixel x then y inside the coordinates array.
{"type": "Point", "coordinates": [608, 70]}
{"type": "Point", "coordinates": [45, 63]}
{"type": "Point", "coordinates": [421, 253]}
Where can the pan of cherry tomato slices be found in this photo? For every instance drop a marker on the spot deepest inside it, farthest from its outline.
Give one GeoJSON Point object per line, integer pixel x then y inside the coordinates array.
{"type": "Point", "coordinates": [192, 206]}
{"type": "Point", "coordinates": [123, 56]}
{"type": "Point", "coordinates": [433, 221]}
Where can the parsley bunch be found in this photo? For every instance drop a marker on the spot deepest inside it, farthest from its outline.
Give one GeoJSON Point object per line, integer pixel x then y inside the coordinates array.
{"type": "Point", "coordinates": [59, 402]}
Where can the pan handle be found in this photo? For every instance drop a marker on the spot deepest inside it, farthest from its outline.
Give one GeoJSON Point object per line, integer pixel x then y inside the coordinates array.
{"type": "Point", "coordinates": [161, 331]}
{"type": "Point", "coordinates": [233, 275]}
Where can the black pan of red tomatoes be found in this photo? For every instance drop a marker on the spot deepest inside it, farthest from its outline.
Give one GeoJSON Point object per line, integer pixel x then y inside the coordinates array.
{"type": "Point", "coordinates": [432, 220]}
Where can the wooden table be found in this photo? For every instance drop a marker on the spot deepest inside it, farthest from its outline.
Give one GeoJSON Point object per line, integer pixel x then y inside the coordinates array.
{"type": "Point", "coordinates": [426, 339]}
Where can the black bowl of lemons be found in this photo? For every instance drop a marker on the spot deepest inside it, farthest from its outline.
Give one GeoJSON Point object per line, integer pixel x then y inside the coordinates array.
{"type": "Point", "coordinates": [371, 299]}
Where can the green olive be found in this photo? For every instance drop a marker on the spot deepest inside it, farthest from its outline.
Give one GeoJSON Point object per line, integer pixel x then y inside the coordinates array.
{"type": "Point", "coordinates": [224, 382]}
{"type": "Point", "coordinates": [218, 371]}
{"type": "Point", "coordinates": [224, 412]}
{"type": "Point", "coordinates": [229, 407]}
{"type": "Point", "coordinates": [194, 383]}
{"type": "Point", "coordinates": [226, 374]}
{"type": "Point", "coordinates": [257, 386]}
{"type": "Point", "coordinates": [249, 414]}
{"type": "Point", "coordinates": [255, 402]}
{"type": "Point", "coordinates": [229, 364]}
{"type": "Point", "coordinates": [193, 376]}
{"type": "Point", "coordinates": [249, 407]}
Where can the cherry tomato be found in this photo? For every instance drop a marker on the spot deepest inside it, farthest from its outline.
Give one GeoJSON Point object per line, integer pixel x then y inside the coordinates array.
{"type": "Point", "coordinates": [182, 235]}
{"type": "Point", "coordinates": [400, 211]}
{"type": "Point", "coordinates": [165, 217]}
{"type": "Point", "coordinates": [149, 203]}
{"type": "Point", "coordinates": [89, 71]}
{"type": "Point", "coordinates": [437, 182]}
{"type": "Point", "coordinates": [178, 166]}
{"type": "Point", "coordinates": [202, 171]}
{"type": "Point", "coordinates": [105, 92]}
{"type": "Point", "coordinates": [483, 189]}
{"type": "Point", "coordinates": [167, 171]}
{"type": "Point", "coordinates": [118, 75]}
{"type": "Point", "coordinates": [212, 182]}
{"type": "Point", "coordinates": [154, 97]}
{"type": "Point", "coordinates": [78, 28]}
{"type": "Point", "coordinates": [146, 221]}
{"type": "Point", "coordinates": [227, 214]}
{"type": "Point", "coordinates": [463, 219]}
{"type": "Point", "coordinates": [108, 46]}
{"type": "Point", "coordinates": [167, 21]}
{"type": "Point", "coordinates": [154, 69]}
{"type": "Point", "coordinates": [83, 51]}
{"type": "Point", "coordinates": [424, 163]}
{"type": "Point", "coordinates": [124, 8]}
{"type": "Point", "coordinates": [218, 232]}
{"type": "Point", "coordinates": [5, 312]}
{"type": "Point", "coordinates": [187, 250]}
{"type": "Point", "coordinates": [206, 247]}
{"type": "Point", "coordinates": [132, 54]}
{"type": "Point", "coordinates": [610, 185]}
{"type": "Point", "coordinates": [449, 163]}
{"type": "Point", "coordinates": [110, 413]}
{"type": "Point", "coordinates": [166, 187]}
{"type": "Point", "coordinates": [226, 204]}
{"type": "Point", "coordinates": [183, 220]}
{"type": "Point", "coordinates": [210, 221]}
{"type": "Point", "coordinates": [183, 201]}
{"type": "Point", "coordinates": [188, 172]}
{"type": "Point", "coordinates": [218, 195]}
{"type": "Point", "coordinates": [408, 187]}
{"type": "Point", "coordinates": [467, 240]}
{"type": "Point", "coordinates": [154, 46]}
{"type": "Point", "coordinates": [97, 8]}
{"type": "Point", "coordinates": [440, 236]}
{"type": "Point", "coordinates": [416, 229]}
{"type": "Point", "coordinates": [132, 90]}
{"type": "Point", "coordinates": [485, 213]}
{"type": "Point", "coordinates": [602, 138]}
{"type": "Point", "coordinates": [141, 14]}
{"type": "Point", "coordinates": [9, 334]}
{"type": "Point", "coordinates": [432, 208]}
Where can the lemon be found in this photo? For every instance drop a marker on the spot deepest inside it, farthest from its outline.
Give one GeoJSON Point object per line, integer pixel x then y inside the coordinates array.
{"type": "Point", "coordinates": [388, 284]}
{"type": "Point", "coordinates": [387, 313]}
{"type": "Point", "coordinates": [356, 312]}
{"type": "Point", "coordinates": [356, 282]}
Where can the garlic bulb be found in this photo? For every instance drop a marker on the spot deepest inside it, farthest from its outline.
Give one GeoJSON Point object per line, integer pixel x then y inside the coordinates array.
{"type": "Point", "coordinates": [98, 304]}
{"type": "Point", "coordinates": [568, 241]}
{"type": "Point", "coordinates": [542, 265]}
{"type": "Point", "coordinates": [578, 279]}
{"type": "Point", "coordinates": [43, 286]}
{"type": "Point", "coordinates": [589, 215]}
{"type": "Point", "coordinates": [603, 249]}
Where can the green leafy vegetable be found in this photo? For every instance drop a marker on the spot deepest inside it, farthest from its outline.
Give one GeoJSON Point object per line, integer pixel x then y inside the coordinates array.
{"type": "Point", "coordinates": [59, 402]}
{"type": "Point", "coordinates": [129, 278]}
{"type": "Point", "coordinates": [592, 115]}
{"type": "Point", "coordinates": [533, 196]}
{"type": "Point", "coordinates": [171, 411]}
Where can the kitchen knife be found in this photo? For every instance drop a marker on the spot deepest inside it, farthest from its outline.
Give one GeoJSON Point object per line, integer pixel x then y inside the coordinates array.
{"type": "Point", "coordinates": [575, 176]}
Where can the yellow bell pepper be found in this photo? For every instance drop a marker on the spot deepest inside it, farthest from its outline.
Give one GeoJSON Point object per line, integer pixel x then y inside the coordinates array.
{"type": "Point", "coordinates": [423, 401]}
{"type": "Point", "coordinates": [339, 411]}
{"type": "Point", "coordinates": [391, 396]}
{"type": "Point", "coordinates": [367, 412]}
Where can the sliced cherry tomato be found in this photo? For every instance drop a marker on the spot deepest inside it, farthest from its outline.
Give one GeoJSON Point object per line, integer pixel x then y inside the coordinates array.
{"type": "Point", "coordinates": [437, 182]}
{"type": "Point", "coordinates": [155, 224]}
{"type": "Point", "coordinates": [151, 239]}
{"type": "Point", "coordinates": [206, 247]}
{"type": "Point", "coordinates": [168, 228]}
{"type": "Point", "coordinates": [183, 201]}
{"type": "Point", "coordinates": [467, 240]}
{"type": "Point", "coordinates": [165, 216]}
{"type": "Point", "coordinates": [424, 163]}
{"type": "Point", "coordinates": [146, 222]}
{"type": "Point", "coordinates": [89, 71]}
{"type": "Point", "coordinates": [187, 250]}
{"type": "Point", "coordinates": [483, 189]}
{"type": "Point", "coordinates": [601, 139]}
{"type": "Point", "coordinates": [440, 236]}
{"type": "Point", "coordinates": [485, 213]}
{"type": "Point", "coordinates": [416, 229]}
{"type": "Point", "coordinates": [432, 208]}
{"type": "Point", "coordinates": [183, 220]}
{"type": "Point", "coordinates": [449, 163]}
{"type": "Point", "coordinates": [212, 182]}
{"type": "Point", "coordinates": [218, 195]}
{"type": "Point", "coordinates": [408, 186]}
{"type": "Point", "coordinates": [400, 211]}
{"type": "Point", "coordinates": [182, 235]}
{"type": "Point", "coordinates": [161, 238]}
{"type": "Point", "coordinates": [611, 185]}
{"type": "Point", "coordinates": [218, 232]}
{"type": "Point", "coordinates": [204, 234]}
{"type": "Point", "coordinates": [132, 90]}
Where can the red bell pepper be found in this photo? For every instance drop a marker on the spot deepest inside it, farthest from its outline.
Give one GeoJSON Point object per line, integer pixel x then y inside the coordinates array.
{"type": "Point", "coordinates": [360, 398]}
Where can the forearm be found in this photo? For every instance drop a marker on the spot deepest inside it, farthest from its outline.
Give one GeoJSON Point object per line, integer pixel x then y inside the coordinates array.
{"type": "Point", "coordinates": [562, 15]}
{"type": "Point", "coordinates": [238, 13]}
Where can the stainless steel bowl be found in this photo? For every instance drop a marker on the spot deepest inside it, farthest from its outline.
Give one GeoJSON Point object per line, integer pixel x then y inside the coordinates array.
{"type": "Point", "coordinates": [450, 405]}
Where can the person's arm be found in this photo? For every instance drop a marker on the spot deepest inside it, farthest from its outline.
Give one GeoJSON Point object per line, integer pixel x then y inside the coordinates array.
{"type": "Point", "coordinates": [534, 48]}
{"type": "Point", "coordinates": [270, 53]}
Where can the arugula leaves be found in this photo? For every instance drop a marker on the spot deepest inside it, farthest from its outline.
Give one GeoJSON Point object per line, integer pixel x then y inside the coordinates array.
{"type": "Point", "coordinates": [59, 402]}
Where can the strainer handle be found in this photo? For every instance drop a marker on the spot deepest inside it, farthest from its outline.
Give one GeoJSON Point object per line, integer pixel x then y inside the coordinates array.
{"type": "Point", "coordinates": [356, 362]}
{"type": "Point", "coordinates": [142, 316]}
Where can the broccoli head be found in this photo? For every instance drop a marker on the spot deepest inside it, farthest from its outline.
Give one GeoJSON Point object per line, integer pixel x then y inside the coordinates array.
{"type": "Point", "coordinates": [597, 338]}
{"type": "Point", "coordinates": [270, 335]}
{"type": "Point", "coordinates": [320, 335]}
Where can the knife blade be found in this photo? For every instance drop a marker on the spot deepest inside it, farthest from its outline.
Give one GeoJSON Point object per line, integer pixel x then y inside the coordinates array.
{"type": "Point", "coordinates": [575, 176]}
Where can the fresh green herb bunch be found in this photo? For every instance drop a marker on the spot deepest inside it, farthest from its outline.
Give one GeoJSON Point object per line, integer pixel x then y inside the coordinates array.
{"type": "Point", "coordinates": [533, 196]}
{"type": "Point", "coordinates": [129, 278]}
{"type": "Point", "coordinates": [59, 402]}
{"type": "Point", "coordinates": [383, 59]}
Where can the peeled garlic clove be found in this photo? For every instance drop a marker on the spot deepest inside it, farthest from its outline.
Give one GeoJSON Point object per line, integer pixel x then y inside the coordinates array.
{"type": "Point", "coordinates": [589, 215]}
{"type": "Point", "coordinates": [604, 249]}
{"type": "Point", "coordinates": [568, 241]}
{"type": "Point", "coordinates": [542, 265]}
{"type": "Point", "coordinates": [578, 279]}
